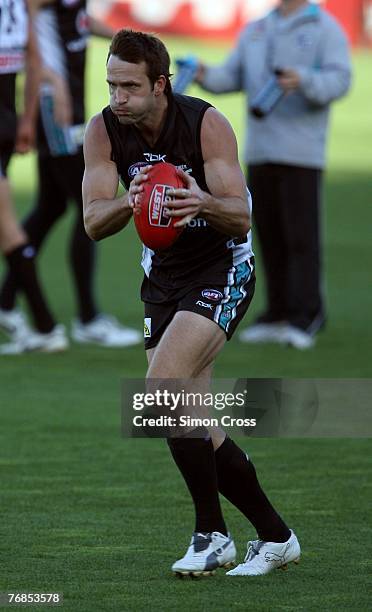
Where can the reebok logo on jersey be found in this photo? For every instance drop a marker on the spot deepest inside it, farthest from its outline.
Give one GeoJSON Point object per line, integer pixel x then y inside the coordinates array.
{"type": "Point", "coordinates": [157, 207]}
{"type": "Point", "coordinates": [147, 327]}
{"type": "Point", "coordinates": [154, 157]}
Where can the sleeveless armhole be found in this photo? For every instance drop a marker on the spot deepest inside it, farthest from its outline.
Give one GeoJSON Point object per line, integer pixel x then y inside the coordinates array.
{"type": "Point", "coordinates": [198, 128]}
{"type": "Point", "coordinates": [106, 119]}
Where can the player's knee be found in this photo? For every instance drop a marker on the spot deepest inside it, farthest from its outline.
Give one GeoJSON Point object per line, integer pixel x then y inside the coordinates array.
{"type": "Point", "coordinates": [167, 368]}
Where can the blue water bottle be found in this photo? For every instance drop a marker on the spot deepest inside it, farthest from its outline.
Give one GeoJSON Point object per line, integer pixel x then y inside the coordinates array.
{"type": "Point", "coordinates": [187, 69]}
{"type": "Point", "coordinates": [268, 97]}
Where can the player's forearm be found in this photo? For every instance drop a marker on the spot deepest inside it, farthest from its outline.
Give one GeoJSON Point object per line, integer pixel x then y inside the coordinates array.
{"type": "Point", "coordinates": [228, 215]}
{"type": "Point", "coordinates": [104, 218]}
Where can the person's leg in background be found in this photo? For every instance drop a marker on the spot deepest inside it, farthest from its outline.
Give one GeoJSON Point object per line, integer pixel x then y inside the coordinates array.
{"type": "Point", "coordinates": [50, 205]}
{"type": "Point", "coordinates": [91, 325]}
{"type": "Point", "coordinates": [20, 256]}
{"type": "Point", "coordinates": [263, 182]}
{"type": "Point", "coordinates": [63, 175]}
{"type": "Point", "coordinates": [60, 179]}
{"type": "Point", "coordinates": [301, 194]}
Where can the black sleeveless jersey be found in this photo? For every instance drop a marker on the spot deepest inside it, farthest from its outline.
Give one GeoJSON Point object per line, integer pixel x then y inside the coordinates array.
{"type": "Point", "coordinates": [201, 252]}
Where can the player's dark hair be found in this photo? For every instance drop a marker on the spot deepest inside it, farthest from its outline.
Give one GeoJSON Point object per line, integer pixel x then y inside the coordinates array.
{"type": "Point", "coordinates": [136, 47]}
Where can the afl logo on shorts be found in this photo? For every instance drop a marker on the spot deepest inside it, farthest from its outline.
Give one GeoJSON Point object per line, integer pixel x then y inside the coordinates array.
{"type": "Point", "coordinates": [158, 201]}
{"type": "Point", "coordinates": [212, 294]}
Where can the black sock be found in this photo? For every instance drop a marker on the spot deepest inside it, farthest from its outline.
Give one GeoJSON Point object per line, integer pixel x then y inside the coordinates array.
{"type": "Point", "coordinates": [195, 460]}
{"type": "Point", "coordinates": [8, 291]}
{"type": "Point", "coordinates": [237, 481]}
{"type": "Point", "coordinates": [22, 265]}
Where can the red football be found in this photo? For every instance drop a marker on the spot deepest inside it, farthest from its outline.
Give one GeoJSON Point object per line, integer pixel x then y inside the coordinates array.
{"type": "Point", "coordinates": [155, 228]}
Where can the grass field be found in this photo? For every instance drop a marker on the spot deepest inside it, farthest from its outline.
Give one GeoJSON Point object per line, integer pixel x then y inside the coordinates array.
{"type": "Point", "coordinates": [101, 518]}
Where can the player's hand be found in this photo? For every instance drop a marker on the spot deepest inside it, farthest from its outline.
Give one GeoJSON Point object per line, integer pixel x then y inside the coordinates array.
{"type": "Point", "coordinates": [25, 135]}
{"type": "Point", "coordinates": [136, 188]}
{"type": "Point", "coordinates": [289, 80]}
{"type": "Point", "coordinates": [200, 73]}
{"type": "Point", "coordinates": [187, 202]}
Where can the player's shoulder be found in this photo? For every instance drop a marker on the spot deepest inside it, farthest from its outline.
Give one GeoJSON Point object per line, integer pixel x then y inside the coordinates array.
{"type": "Point", "coordinates": [191, 103]}
{"type": "Point", "coordinates": [214, 119]}
{"type": "Point", "coordinates": [201, 111]}
{"type": "Point", "coordinates": [216, 132]}
{"type": "Point", "coordinates": [96, 126]}
{"type": "Point", "coordinates": [96, 136]}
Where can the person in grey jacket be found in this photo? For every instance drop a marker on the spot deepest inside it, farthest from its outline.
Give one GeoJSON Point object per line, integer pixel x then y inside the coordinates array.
{"type": "Point", "coordinates": [304, 51]}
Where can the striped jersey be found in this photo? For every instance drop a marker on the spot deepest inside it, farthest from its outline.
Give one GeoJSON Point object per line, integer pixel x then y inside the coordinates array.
{"type": "Point", "coordinates": [13, 35]}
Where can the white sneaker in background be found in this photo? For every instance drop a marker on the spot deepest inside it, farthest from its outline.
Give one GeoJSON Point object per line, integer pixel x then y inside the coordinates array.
{"type": "Point", "coordinates": [105, 330]}
{"type": "Point", "coordinates": [13, 321]}
{"type": "Point", "coordinates": [260, 333]}
{"type": "Point", "coordinates": [297, 338]}
{"type": "Point", "coordinates": [29, 340]}
{"type": "Point", "coordinates": [207, 552]}
{"type": "Point", "coordinates": [262, 557]}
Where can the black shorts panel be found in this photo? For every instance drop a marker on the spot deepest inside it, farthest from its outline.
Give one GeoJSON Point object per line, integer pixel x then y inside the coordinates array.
{"type": "Point", "coordinates": [226, 304]}
{"type": "Point", "coordinates": [8, 120]}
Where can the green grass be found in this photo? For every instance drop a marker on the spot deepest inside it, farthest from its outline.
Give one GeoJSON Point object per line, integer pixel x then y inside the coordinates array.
{"type": "Point", "coordinates": [101, 518]}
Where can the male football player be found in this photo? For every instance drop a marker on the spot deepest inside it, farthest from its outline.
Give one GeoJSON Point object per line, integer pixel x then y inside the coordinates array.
{"type": "Point", "coordinates": [145, 121]}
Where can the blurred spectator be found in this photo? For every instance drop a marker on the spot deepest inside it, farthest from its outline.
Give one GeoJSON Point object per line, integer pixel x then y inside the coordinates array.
{"type": "Point", "coordinates": [298, 57]}
{"type": "Point", "coordinates": [63, 28]}
{"type": "Point", "coordinates": [18, 50]}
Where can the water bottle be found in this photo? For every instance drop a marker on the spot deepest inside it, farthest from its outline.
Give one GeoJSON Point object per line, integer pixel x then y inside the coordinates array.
{"type": "Point", "coordinates": [187, 69]}
{"type": "Point", "coordinates": [268, 97]}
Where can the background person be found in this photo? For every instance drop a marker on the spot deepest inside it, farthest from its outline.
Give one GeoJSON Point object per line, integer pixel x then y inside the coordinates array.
{"type": "Point", "coordinates": [18, 50]}
{"type": "Point", "coordinates": [62, 30]}
{"type": "Point", "coordinates": [285, 152]}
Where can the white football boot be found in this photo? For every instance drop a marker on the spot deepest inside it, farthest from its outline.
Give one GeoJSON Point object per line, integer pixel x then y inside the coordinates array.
{"type": "Point", "coordinates": [206, 553]}
{"type": "Point", "coordinates": [105, 330]}
{"type": "Point", "coordinates": [262, 557]}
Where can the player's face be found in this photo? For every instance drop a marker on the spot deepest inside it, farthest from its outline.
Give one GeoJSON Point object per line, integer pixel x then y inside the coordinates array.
{"type": "Point", "coordinates": [132, 97]}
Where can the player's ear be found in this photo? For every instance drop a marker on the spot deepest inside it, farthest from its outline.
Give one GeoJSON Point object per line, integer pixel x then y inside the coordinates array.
{"type": "Point", "coordinates": [159, 85]}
